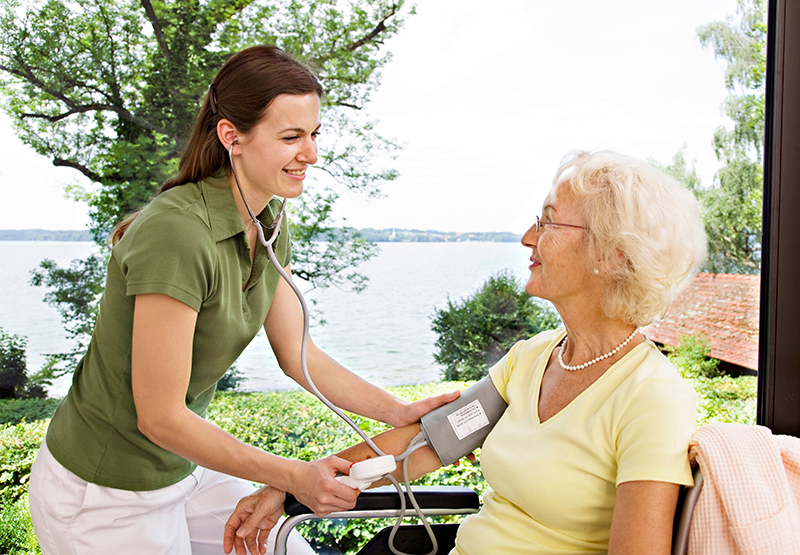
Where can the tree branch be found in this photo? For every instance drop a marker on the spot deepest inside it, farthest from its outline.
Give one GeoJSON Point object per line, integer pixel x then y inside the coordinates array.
{"type": "Point", "coordinates": [76, 110]}
{"type": "Point", "coordinates": [379, 28]}
{"type": "Point", "coordinates": [60, 162]}
{"type": "Point", "coordinates": [151, 15]}
{"type": "Point", "coordinates": [26, 73]}
{"type": "Point", "coordinates": [346, 105]}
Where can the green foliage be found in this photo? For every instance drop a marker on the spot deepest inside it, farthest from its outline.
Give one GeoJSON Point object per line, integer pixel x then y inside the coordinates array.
{"type": "Point", "coordinates": [691, 356]}
{"type": "Point", "coordinates": [13, 376]}
{"type": "Point", "coordinates": [14, 380]}
{"type": "Point", "coordinates": [231, 380]}
{"type": "Point", "coordinates": [14, 411]}
{"type": "Point", "coordinates": [732, 205]}
{"type": "Point", "coordinates": [110, 88]}
{"type": "Point", "coordinates": [18, 447]}
{"type": "Point", "coordinates": [19, 444]}
{"type": "Point", "coordinates": [16, 530]}
{"type": "Point", "coordinates": [721, 398]}
{"type": "Point", "coordinates": [732, 216]}
{"type": "Point", "coordinates": [477, 331]}
{"type": "Point", "coordinates": [681, 171]}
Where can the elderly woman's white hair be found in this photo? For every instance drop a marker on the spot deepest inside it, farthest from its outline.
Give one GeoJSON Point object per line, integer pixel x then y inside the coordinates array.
{"type": "Point", "coordinates": [645, 234]}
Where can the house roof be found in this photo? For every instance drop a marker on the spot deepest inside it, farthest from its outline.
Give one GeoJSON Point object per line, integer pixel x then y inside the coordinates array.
{"type": "Point", "coordinates": [723, 308]}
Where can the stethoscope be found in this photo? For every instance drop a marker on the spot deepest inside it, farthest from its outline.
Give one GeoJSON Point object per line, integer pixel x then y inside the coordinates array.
{"type": "Point", "coordinates": [415, 444]}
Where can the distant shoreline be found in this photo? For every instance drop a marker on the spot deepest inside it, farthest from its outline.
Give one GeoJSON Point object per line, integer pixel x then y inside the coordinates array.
{"type": "Point", "coordinates": [44, 235]}
{"type": "Point", "coordinates": [370, 234]}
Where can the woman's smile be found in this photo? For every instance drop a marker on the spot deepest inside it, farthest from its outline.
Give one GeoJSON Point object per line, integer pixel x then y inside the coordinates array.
{"type": "Point", "coordinates": [276, 154]}
{"type": "Point", "coordinates": [298, 173]}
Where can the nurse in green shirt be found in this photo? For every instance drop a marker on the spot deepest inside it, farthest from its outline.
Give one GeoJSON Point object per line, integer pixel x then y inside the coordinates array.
{"type": "Point", "coordinates": [129, 463]}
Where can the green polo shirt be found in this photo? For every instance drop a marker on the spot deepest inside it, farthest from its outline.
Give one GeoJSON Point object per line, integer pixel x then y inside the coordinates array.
{"type": "Point", "coordinates": [190, 244]}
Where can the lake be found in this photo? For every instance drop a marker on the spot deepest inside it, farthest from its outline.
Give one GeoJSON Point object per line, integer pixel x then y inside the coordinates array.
{"type": "Point", "coordinates": [382, 334]}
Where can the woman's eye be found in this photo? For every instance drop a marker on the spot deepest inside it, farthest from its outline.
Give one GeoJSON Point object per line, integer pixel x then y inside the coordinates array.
{"type": "Point", "coordinates": [290, 139]}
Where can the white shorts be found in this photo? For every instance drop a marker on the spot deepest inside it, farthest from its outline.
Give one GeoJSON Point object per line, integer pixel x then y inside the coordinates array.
{"type": "Point", "coordinates": [72, 516]}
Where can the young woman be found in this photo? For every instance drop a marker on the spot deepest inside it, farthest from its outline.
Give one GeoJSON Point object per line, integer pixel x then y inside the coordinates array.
{"type": "Point", "coordinates": [129, 463]}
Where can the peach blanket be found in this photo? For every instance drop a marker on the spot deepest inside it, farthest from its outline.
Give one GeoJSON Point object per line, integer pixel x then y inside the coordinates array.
{"type": "Point", "coordinates": [751, 491]}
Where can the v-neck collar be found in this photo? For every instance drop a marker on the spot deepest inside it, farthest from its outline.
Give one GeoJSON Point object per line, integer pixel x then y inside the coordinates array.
{"type": "Point", "coordinates": [539, 376]}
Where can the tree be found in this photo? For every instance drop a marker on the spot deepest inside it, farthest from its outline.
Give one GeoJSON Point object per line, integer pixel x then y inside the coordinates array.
{"type": "Point", "coordinates": [14, 380]}
{"type": "Point", "coordinates": [477, 331]}
{"type": "Point", "coordinates": [110, 87]}
{"type": "Point", "coordinates": [732, 205]}
{"type": "Point", "coordinates": [74, 292]}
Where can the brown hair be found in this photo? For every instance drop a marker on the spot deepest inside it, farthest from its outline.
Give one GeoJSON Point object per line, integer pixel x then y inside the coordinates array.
{"type": "Point", "coordinates": [242, 91]}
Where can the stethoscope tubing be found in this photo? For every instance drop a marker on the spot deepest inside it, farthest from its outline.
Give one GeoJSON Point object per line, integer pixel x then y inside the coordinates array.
{"type": "Point", "coordinates": [415, 444]}
{"type": "Point", "coordinates": [268, 243]}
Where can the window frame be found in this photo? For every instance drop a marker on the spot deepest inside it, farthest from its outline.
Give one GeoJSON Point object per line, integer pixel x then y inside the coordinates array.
{"type": "Point", "coordinates": [778, 405]}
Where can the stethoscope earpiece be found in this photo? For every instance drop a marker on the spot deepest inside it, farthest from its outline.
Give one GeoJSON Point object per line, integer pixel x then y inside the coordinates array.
{"type": "Point", "coordinates": [276, 223]}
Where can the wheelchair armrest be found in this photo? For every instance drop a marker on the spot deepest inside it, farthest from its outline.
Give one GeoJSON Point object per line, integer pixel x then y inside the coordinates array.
{"type": "Point", "coordinates": [387, 498]}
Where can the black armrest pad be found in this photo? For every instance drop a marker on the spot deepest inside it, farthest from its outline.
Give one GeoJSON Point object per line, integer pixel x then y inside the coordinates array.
{"type": "Point", "coordinates": [386, 497]}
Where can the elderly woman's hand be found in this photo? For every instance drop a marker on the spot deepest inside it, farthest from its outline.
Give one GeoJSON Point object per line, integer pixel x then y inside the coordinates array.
{"type": "Point", "coordinates": [252, 520]}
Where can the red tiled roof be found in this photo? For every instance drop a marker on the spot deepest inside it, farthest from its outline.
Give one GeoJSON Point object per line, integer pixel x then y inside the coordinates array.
{"type": "Point", "coordinates": [723, 308]}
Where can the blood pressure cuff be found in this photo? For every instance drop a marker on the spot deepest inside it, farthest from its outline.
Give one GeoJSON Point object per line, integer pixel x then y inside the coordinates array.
{"type": "Point", "coordinates": [456, 429]}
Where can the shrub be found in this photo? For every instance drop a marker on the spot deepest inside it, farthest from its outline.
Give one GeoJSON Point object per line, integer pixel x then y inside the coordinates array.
{"type": "Point", "coordinates": [14, 381]}
{"type": "Point", "coordinates": [16, 530]}
{"type": "Point", "coordinates": [14, 411]}
{"type": "Point", "coordinates": [18, 447]}
{"type": "Point", "coordinates": [691, 355]}
{"type": "Point", "coordinates": [231, 380]}
{"type": "Point", "coordinates": [477, 331]}
{"type": "Point", "coordinates": [721, 398]}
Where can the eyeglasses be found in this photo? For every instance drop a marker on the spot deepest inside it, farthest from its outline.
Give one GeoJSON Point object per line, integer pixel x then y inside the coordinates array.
{"type": "Point", "coordinates": [540, 224]}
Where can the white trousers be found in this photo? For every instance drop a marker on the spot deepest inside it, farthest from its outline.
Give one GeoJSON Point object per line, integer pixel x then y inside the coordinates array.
{"type": "Point", "coordinates": [75, 517]}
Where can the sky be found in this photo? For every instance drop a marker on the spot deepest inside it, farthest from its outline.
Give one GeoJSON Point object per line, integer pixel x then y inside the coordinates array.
{"type": "Point", "coordinates": [486, 99]}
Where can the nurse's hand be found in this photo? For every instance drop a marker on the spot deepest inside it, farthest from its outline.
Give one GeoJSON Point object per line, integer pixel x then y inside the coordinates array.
{"type": "Point", "coordinates": [314, 484]}
{"type": "Point", "coordinates": [409, 413]}
{"type": "Point", "coordinates": [252, 520]}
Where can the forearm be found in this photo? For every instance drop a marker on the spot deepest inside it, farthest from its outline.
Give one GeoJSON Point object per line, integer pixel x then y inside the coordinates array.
{"type": "Point", "coordinates": [284, 327]}
{"type": "Point", "coordinates": [205, 444]}
{"type": "Point", "coordinates": [345, 389]}
{"type": "Point", "coordinates": [312, 482]}
{"type": "Point", "coordinates": [395, 442]}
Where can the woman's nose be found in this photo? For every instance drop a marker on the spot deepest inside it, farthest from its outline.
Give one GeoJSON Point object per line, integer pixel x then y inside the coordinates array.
{"type": "Point", "coordinates": [308, 153]}
{"type": "Point", "coordinates": [530, 236]}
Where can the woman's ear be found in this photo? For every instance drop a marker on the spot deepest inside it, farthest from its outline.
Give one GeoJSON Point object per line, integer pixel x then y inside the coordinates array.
{"type": "Point", "coordinates": [226, 133]}
{"type": "Point", "coordinates": [612, 263]}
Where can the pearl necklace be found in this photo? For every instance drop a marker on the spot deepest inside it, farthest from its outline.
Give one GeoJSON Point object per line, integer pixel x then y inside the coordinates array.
{"type": "Point", "coordinates": [598, 359]}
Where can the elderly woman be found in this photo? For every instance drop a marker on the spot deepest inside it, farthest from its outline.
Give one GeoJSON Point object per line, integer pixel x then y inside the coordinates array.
{"type": "Point", "coordinates": [592, 450]}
